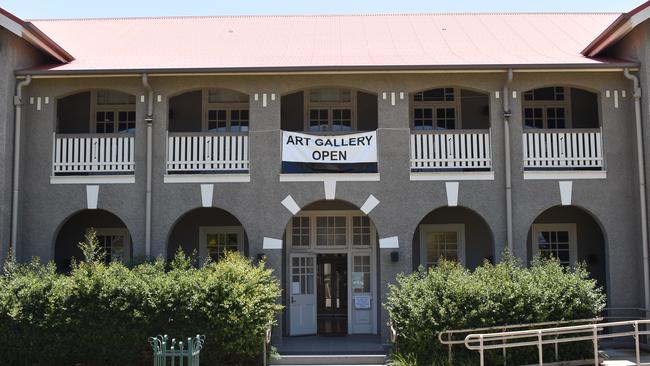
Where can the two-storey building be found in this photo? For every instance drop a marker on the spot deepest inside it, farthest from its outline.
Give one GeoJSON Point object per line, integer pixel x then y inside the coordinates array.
{"type": "Point", "coordinates": [344, 149]}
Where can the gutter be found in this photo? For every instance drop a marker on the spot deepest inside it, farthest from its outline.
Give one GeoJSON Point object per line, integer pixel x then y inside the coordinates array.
{"type": "Point", "coordinates": [507, 113]}
{"type": "Point", "coordinates": [18, 109]}
{"type": "Point", "coordinates": [642, 189]}
{"type": "Point", "coordinates": [148, 119]}
{"type": "Point", "coordinates": [613, 66]}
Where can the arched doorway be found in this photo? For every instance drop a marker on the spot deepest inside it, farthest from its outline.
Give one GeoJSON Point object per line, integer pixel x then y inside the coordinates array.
{"type": "Point", "coordinates": [453, 233]}
{"type": "Point", "coordinates": [112, 233]}
{"type": "Point", "coordinates": [571, 235]}
{"type": "Point", "coordinates": [331, 270]}
{"type": "Point", "coordinates": [208, 232]}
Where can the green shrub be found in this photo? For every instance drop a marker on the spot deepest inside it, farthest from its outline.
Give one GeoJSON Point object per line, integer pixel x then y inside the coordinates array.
{"type": "Point", "coordinates": [103, 314]}
{"type": "Point", "coordinates": [446, 297]}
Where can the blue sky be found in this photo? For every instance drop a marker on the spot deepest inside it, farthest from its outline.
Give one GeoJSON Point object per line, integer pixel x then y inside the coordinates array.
{"type": "Point", "coordinates": [118, 8]}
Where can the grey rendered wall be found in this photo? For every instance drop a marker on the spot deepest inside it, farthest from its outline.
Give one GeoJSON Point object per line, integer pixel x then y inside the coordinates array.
{"type": "Point", "coordinates": [403, 203]}
{"type": "Point", "coordinates": [15, 54]}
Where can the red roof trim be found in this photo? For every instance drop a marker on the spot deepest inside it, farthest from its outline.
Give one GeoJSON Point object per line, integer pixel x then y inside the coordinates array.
{"type": "Point", "coordinates": [41, 40]}
{"type": "Point", "coordinates": [608, 37]}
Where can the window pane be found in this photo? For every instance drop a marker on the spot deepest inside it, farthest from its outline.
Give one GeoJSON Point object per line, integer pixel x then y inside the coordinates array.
{"type": "Point", "coordinates": [554, 244]}
{"type": "Point", "coordinates": [331, 231]}
{"type": "Point", "coordinates": [441, 244]}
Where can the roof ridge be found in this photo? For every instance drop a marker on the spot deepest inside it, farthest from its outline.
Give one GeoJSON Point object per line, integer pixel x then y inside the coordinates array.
{"type": "Point", "coordinates": [320, 15]}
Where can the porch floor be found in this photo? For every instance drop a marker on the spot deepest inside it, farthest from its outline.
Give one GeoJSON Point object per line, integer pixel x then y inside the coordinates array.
{"type": "Point", "coordinates": [315, 345]}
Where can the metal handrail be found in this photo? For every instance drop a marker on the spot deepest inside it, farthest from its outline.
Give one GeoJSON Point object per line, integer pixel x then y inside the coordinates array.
{"type": "Point", "coordinates": [450, 342]}
{"type": "Point", "coordinates": [535, 337]}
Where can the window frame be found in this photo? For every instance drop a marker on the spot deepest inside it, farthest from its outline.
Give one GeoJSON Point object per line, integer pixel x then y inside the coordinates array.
{"type": "Point", "coordinates": [545, 105]}
{"type": "Point", "coordinates": [207, 106]}
{"type": "Point", "coordinates": [571, 228]}
{"type": "Point", "coordinates": [435, 106]}
{"type": "Point", "coordinates": [116, 231]}
{"type": "Point", "coordinates": [330, 106]}
{"type": "Point", "coordinates": [312, 215]}
{"type": "Point", "coordinates": [115, 108]}
{"type": "Point", "coordinates": [204, 231]}
{"type": "Point", "coordinates": [432, 228]}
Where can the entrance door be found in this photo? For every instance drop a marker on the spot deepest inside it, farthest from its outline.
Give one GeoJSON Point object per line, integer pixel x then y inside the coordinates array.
{"type": "Point", "coordinates": [303, 294]}
{"type": "Point", "coordinates": [332, 294]}
{"type": "Point", "coordinates": [362, 302]}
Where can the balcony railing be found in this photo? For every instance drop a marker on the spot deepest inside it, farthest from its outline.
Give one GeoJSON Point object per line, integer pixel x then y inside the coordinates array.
{"type": "Point", "coordinates": [93, 154]}
{"type": "Point", "coordinates": [563, 149]}
{"type": "Point", "coordinates": [203, 152]}
{"type": "Point", "coordinates": [451, 150]}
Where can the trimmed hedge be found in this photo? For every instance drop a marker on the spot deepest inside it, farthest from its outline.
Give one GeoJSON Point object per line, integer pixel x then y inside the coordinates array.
{"type": "Point", "coordinates": [449, 296]}
{"type": "Point", "coordinates": [103, 314]}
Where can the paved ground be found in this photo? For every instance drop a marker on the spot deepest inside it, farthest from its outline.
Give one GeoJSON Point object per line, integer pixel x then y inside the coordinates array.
{"type": "Point", "coordinates": [359, 344]}
{"type": "Point", "coordinates": [623, 357]}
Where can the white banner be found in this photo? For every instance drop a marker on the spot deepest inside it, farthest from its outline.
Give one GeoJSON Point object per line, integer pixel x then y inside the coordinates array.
{"type": "Point", "coordinates": [338, 149]}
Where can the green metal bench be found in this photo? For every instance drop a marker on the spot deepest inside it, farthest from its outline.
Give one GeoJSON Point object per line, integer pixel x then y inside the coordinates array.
{"type": "Point", "coordinates": [166, 353]}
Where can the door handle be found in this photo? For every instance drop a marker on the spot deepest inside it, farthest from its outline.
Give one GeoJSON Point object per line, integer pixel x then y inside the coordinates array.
{"type": "Point", "coordinates": [292, 300]}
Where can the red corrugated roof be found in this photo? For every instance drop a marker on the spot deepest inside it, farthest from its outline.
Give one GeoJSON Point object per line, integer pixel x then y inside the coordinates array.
{"type": "Point", "coordinates": [328, 42]}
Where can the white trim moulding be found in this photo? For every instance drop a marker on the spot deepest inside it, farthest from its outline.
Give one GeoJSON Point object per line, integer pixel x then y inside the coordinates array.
{"type": "Point", "coordinates": [343, 177]}
{"type": "Point", "coordinates": [446, 176]}
{"type": "Point", "coordinates": [562, 175]}
{"type": "Point", "coordinates": [207, 178]}
{"type": "Point", "coordinates": [99, 179]}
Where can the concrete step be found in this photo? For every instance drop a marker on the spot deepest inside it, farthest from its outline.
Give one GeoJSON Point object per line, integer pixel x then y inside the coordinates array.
{"type": "Point", "coordinates": [339, 360]}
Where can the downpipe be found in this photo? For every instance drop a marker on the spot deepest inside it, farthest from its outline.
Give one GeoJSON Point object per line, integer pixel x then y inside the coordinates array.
{"type": "Point", "coordinates": [642, 192]}
{"type": "Point", "coordinates": [149, 122]}
{"type": "Point", "coordinates": [507, 113]}
{"type": "Point", "coordinates": [18, 111]}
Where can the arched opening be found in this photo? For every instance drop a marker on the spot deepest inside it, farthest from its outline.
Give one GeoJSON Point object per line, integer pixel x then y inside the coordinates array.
{"type": "Point", "coordinates": [452, 233]}
{"type": "Point", "coordinates": [562, 129]}
{"type": "Point", "coordinates": [571, 235]}
{"type": "Point", "coordinates": [450, 108]}
{"type": "Point", "coordinates": [450, 131]}
{"type": "Point", "coordinates": [208, 132]}
{"type": "Point", "coordinates": [112, 233]}
{"type": "Point", "coordinates": [96, 111]}
{"type": "Point", "coordinates": [331, 271]}
{"type": "Point", "coordinates": [208, 232]}
{"type": "Point", "coordinates": [329, 109]}
{"type": "Point", "coordinates": [95, 134]}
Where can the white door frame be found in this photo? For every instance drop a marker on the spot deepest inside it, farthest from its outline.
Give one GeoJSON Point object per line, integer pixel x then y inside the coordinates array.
{"type": "Point", "coordinates": [428, 228]}
{"type": "Point", "coordinates": [348, 249]}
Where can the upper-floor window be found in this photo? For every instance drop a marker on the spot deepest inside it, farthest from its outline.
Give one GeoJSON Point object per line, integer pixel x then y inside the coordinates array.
{"type": "Point", "coordinates": [547, 108]}
{"type": "Point", "coordinates": [227, 111]}
{"type": "Point", "coordinates": [330, 109]}
{"type": "Point", "coordinates": [435, 109]}
{"type": "Point", "coordinates": [210, 109]}
{"type": "Point", "coordinates": [449, 108]}
{"type": "Point", "coordinates": [113, 111]}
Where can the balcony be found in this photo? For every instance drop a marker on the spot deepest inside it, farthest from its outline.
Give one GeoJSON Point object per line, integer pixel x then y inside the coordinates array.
{"type": "Point", "coordinates": [222, 156]}
{"type": "Point", "coordinates": [93, 156]}
{"type": "Point", "coordinates": [451, 154]}
{"type": "Point", "coordinates": [553, 153]}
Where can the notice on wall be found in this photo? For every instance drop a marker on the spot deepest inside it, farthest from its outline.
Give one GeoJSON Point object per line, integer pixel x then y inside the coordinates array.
{"type": "Point", "coordinates": [335, 149]}
{"type": "Point", "coordinates": [362, 302]}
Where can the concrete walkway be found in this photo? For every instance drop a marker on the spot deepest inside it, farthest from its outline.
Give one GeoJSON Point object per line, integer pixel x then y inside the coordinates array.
{"type": "Point", "coordinates": [623, 357]}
